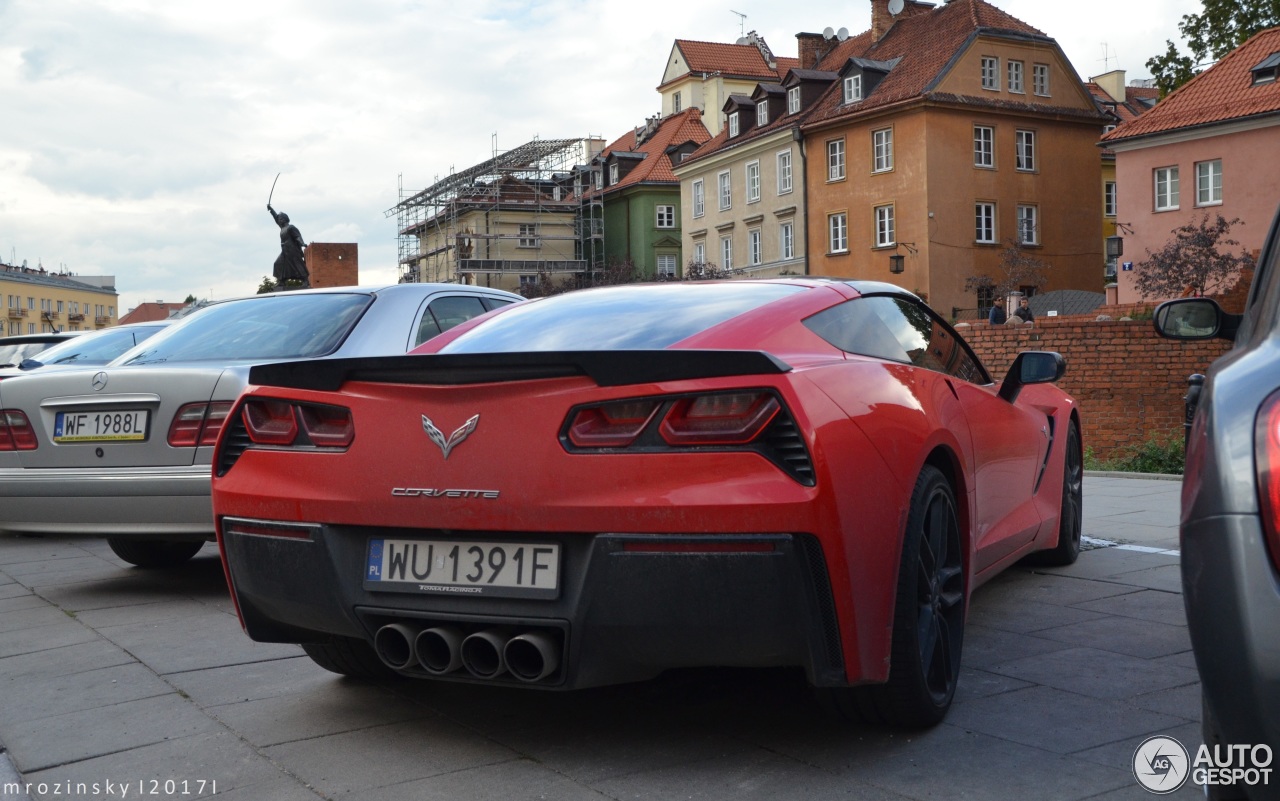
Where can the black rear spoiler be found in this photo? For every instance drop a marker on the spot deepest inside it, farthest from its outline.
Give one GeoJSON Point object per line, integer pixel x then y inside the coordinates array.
{"type": "Point", "coordinates": [608, 368]}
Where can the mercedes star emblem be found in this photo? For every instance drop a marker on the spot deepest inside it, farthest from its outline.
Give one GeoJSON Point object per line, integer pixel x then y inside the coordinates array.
{"type": "Point", "coordinates": [99, 381]}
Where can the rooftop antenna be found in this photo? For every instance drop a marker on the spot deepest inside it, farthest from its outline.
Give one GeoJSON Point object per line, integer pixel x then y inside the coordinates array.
{"type": "Point", "coordinates": [1106, 58]}
{"type": "Point", "coordinates": [742, 22]}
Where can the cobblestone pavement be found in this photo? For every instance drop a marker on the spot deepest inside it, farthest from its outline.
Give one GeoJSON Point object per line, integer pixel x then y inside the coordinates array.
{"type": "Point", "coordinates": [143, 684]}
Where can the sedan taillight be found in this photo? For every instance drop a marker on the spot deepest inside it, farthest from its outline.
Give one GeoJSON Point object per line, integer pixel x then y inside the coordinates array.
{"type": "Point", "coordinates": [16, 433]}
{"type": "Point", "coordinates": [198, 424]}
{"type": "Point", "coordinates": [1267, 440]}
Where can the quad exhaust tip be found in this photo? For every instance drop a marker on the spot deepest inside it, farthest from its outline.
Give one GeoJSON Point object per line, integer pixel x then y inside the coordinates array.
{"type": "Point", "coordinates": [439, 649]}
{"type": "Point", "coordinates": [394, 643]}
{"type": "Point", "coordinates": [530, 656]}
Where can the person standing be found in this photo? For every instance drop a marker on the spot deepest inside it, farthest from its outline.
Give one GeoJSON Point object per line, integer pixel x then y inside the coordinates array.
{"type": "Point", "coordinates": [997, 316]}
{"type": "Point", "coordinates": [1023, 311]}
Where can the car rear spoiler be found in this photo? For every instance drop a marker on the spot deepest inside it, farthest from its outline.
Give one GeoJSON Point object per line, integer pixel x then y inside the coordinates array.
{"type": "Point", "coordinates": [608, 368]}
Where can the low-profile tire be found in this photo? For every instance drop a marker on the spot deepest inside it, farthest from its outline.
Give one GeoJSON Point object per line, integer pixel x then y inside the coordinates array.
{"type": "Point", "coordinates": [349, 657]}
{"type": "Point", "coordinates": [1070, 522]}
{"type": "Point", "coordinates": [153, 554]}
{"type": "Point", "coordinates": [928, 620]}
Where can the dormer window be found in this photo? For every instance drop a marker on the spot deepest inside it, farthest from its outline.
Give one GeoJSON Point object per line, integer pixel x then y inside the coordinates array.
{"type": "Point", "coordinates": [762, 113]}
{"type": "Point", "coordinates": [793, 100]}
{"type": "Point", "coordinates": [599, 179]}
{"type": "Point", "coordinates": [733, 124]}
{"type": "Point", "coordinates": [613, 175]}
{"type": "Point", "coordinates": [853, 89]}
{"type": "Point", "coordinates": [1266, 72]}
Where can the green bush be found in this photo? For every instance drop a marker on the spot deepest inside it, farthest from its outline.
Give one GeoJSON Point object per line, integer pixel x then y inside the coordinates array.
{"type": "Point", "coordinates": [1156, 455]}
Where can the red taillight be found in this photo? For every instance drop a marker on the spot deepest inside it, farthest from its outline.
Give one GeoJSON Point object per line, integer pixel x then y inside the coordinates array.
{"type": "Point", "coordinates": [1267, 435]}
{"type": "Point", "coordinates": [270, 422]}
{"type": "Point", "coordinates": [327, 426]}
{"type": "Point", "coordinates": [612, 425]}
{"type": "Point", "coordinates": [729, 418]}
{"type": "Point", "coordinates": [16, 433]}
{"type": "Point", "coordinates": [198, 424]}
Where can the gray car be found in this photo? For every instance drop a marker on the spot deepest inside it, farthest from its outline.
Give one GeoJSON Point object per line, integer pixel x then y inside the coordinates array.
{"type": "Point", "coordinates": [1231, 519]}
{"type": "Point", "coordinates": [23, 346]}
{"type": "Point", "coordinates": [123, 450]}
{"type": "Point", "coordinates": [94, 347]}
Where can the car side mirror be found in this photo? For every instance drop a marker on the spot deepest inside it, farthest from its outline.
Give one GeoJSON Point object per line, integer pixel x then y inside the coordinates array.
{"type": "Point", "coordinates": [1194, 318]}
{"type": "Point", "coordinates": [1032, 367]}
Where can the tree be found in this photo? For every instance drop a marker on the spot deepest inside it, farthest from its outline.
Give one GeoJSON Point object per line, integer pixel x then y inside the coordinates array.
{"type": "Point", "coordinates": [268, 285]}
{"type": "Point", "coordinates": [1191, 261]}
{"type": "Point", "coordinates": [189, 299]}
{"type": "Point", "coordinates": [1018, 268]}
{"type": "Point", "coordinates": [1222, 27]}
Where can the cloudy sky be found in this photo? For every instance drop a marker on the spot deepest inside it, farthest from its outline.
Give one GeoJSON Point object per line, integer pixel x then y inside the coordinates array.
{"type": "Point", "coordinates": [139, 138]}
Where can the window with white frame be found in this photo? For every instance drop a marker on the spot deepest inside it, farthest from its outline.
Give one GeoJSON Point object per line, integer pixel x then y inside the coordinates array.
{"type": "Point", "coordinates": [793, 100]}
{"type": "Point", "coordinates": [991, 73]}
{"type": "Point", "coordinates": [1029, 225]}
{"type": "Point", "coordinates": [753, 181]}
{"type": "Point", "coordinates": [753, 246]}
{"type": "Point", "coordinates": [984, 223]}
{"type": "Point", "coordinates": [528, 281]}
{"type": "Point", "coordinates": [613, 175]}
{"type": "Point", "coordinates": [762, 113]}
{"type": "Point", "coordinates": [853, 88]}
{"type": "Point", "coordinates": [700, 252]}
{"type": "Point", "coordinates": [835, 159]}
{"type": "Point", "coordinates": [885, 233]}
{"type": "Point", "coordinates": [1015, 78]}
{"type": "Point", "coordinates": [675, 103]}
{"type": "Point", "coordinates": [1209, 183]}
{"type": "Point", "coordinates": [784, 172]}
{"type": "Point", "coordinates": [984, 146]}
{"type": "Point", "coordinates": [838, 233]}
{"type": "Point", "coordinates": [667, 265]}
{"type": "Point", "coordinates": [1025, 146]}
{"type": "Point", "coordinates": [1166, 188]}
{"type": "Point", "coordinates": [726, 252]}
{"type": "Point", "coordinates": [1106, 129]}
{"type": "Point", "coordinates": [528, 235]}
{"type": "Point", "coordinates": [733, 124]}
{"type": "Point", "coordinates": [598, 178]}
{"type": "Point", "coordinates": [882, 150]}
{"type": "Point", "coordinates": [666, 216]}
{"type": "Point", "coordinates": [699, 199]}
{"type": "Point", "coordinates": [1109, 198]}
{"type": "Point", "coordinates": [726, 190]}
{"type": "Point", "coordinates": [1040, 79]}
{"type": "Point", "coordinates": [787, 240]}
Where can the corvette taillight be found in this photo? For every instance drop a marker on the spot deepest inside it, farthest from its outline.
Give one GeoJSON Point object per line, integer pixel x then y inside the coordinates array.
{"type": "Point", "coordinates": [1267, 437]}
{"type": "Point", "coordinates": [721, 419]}
{"type": "Point", "coordinates": [270, 422]}
{"type": "Point", "coordinates": [16, 433]}
{"type": "Point", "coordinates": [611, 425]}
{"type": "Point", "coordinates": [327, 426]}
{"type": "Point", "coordinates": [198, 424]}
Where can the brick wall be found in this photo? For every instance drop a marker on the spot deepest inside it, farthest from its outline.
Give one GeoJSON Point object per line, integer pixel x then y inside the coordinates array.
{"type": "Point", "coordinates": [333, 264]}
{"type": "Point", "coordinates": [1128, 381]}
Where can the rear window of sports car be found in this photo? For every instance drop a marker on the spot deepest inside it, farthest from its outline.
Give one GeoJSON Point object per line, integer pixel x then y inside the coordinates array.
{"type": "Point", "coordinates": [635, 317]}
{"type": "Point", "coordinates": [287, 326]}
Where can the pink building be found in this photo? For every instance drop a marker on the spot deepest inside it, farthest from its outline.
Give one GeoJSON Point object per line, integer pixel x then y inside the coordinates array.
{"type": "Point", "coordinates": [1209, 147]}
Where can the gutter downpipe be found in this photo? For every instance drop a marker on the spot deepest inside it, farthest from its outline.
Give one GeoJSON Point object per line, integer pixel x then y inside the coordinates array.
{"type": "Point", "coordinates": [804, 173]}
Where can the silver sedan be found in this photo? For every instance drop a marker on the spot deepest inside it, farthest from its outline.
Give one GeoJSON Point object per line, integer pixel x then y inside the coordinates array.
{"type": "Point", "coordinates": [124, 450]}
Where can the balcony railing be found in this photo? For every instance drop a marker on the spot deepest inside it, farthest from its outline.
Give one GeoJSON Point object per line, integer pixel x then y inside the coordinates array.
{"type": "Point", "coordinates": [101, 320]}
{"type": "Point", "coordinates": [75, 318]}
{"type": "Point", "coordinates": [17, 312]}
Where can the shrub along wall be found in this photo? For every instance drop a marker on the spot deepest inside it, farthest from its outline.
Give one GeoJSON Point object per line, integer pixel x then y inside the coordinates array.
{"type": "Point", "coordinates": [1128, 381]}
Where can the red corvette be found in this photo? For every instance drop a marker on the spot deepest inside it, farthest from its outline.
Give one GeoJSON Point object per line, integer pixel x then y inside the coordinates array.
{"type": "Point", "coordinates": [596, 487]}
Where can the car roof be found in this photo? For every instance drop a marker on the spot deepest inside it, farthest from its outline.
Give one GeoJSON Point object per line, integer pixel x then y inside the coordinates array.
{"type": "Point", "coordinates": [54, 336]}
{"type": "Point", "coordinates": [424, 288]}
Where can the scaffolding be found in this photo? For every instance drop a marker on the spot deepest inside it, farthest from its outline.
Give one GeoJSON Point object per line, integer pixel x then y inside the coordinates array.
{"type": "Point", "coordinates": [525, 213]}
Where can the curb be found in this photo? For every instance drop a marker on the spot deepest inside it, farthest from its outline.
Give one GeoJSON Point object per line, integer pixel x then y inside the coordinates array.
{"type": "Point", "coordinates": [1122, 474]}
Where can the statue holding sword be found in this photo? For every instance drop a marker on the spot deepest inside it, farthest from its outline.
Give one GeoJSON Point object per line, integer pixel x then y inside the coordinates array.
{"type": "Point", "coordinates": [290, 265]}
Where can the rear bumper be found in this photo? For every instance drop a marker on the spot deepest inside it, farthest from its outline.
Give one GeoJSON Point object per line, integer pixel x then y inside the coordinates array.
{"type": "Point", "coordinates": [1232, 596]}
{"type": "Point", "coordinates": [139, 501]}
{"type": "Point", "coordinates": [620, 615]}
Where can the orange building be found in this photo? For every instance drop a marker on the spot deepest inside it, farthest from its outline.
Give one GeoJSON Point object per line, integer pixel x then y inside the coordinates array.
{"type": "Point", "coordinates": [948, 134]}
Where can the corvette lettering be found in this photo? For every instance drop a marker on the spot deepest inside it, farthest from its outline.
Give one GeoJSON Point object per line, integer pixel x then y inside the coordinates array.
{"type": "Point", "coordinates": [427, 492]}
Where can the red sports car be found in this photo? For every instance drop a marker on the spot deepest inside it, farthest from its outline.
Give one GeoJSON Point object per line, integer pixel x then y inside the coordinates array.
{"type": "Point", "coordinates": [596, 487]}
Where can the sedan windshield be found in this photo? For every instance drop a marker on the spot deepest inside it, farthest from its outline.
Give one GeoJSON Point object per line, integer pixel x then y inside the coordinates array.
{"type": "Point", "coordinates": [286, 326]}
{"type": "Point", "coordinates": [99, 347]}
{"type": "Point", "coordinates": [634, 317]}
{"type": "Point", "coordinates": [12, 355]}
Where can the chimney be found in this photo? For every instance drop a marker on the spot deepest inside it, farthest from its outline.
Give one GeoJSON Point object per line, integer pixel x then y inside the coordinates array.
{"type": "Point", "coordinates": [881, 19]}
{"type": "Point", "coordinates": [1112, 83]}
{"type": "Point", "coordinates": [809, 46]}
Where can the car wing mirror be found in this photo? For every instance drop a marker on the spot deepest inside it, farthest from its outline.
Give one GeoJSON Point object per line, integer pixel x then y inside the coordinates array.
{"type": "Point", "coordinates": [1032, 367]}
{"type": "Point", "coordinates": [1194, 318]}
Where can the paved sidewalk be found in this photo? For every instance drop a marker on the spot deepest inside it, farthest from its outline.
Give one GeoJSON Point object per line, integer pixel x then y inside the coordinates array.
{"type": "Point", "coordinates": [144, 680]}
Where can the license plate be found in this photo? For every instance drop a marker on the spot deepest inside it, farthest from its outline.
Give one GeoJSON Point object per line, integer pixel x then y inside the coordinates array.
{"type": "Point", "coordinates": [502, 569]}
{"type": "Point", "coordinates": [114, 426]}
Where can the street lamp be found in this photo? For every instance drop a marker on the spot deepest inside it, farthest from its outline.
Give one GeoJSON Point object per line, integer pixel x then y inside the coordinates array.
{"type": "Point", "coordinates": [896, 263]}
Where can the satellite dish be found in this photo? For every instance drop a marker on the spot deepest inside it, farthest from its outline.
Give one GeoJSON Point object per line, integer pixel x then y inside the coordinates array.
{"type": "Point", "coordinates": [828, 33]}
{"type": "Point", "coordinates": [842, 34]}
{"type": "Point", "coordinates": [743, 40]}
{"type": "Point", "coordinates": [895, 7]}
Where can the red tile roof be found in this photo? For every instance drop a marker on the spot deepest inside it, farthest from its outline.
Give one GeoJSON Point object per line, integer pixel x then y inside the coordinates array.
{"type": "Point", "coordinates": [1221, 93]}
{"type": "Point", "coordinates": [1127, 109]}
{"type": "Point", "coordinates": [150, 312]}
{"type": "Point", "coordinates": [684, 126]}
{"type": "Point", "coordinates": [737, 60]}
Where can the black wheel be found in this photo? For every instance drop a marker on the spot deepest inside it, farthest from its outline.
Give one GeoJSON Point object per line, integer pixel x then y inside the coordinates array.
{"type": "Point", "coordinates": [349, 657]}
{"type": "Point", "coordinates": [928, 621]}
{"type": "Point", "coordinates": [1070, 522]}
{"type": "Point", "coordinates": [153, 554]}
